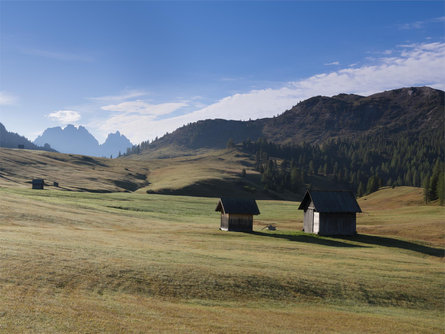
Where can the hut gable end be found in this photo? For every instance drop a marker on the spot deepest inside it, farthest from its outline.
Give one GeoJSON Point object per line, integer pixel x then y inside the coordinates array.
{"type": "Point", "coordinates": [329, 212]}
{"type": "Point", "coordinates": [237, 214]}
{"type": "Point", "coordinates": [330, 201]}
{"type": "Point", "coordinates": [237, 206]}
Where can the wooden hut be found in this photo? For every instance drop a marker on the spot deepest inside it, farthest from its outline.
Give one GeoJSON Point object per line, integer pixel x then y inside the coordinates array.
{"type": "Point", "coordinates": [38, 183]}
{"type": "Point", "coordinates": [329, 212]}
{"type": "Point", "coordinates": [237, 214]}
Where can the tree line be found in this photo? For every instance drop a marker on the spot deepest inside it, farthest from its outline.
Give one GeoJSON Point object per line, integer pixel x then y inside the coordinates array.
{"type": "Point", "coordinates": [364, 163]}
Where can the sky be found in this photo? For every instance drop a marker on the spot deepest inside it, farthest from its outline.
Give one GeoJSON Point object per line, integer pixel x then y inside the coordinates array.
{"type": "Point", "coordinates": [145, 68]}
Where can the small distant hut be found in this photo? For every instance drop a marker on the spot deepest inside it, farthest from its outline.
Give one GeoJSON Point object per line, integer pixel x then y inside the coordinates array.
{"type": "Point", "coordinates": [329, 212]}
{"type": "Point", "coordinates": [21, 146]}
{"type": "Point", "coordinates": [38, 183]}
{"type": "Point", "coordinates": [237, 214]}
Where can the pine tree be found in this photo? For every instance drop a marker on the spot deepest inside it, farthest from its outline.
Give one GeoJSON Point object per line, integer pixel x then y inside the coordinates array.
{"type": "Point", "coordinates": [360, 190]}
{"type": "Point", "coordinates": [434, 181]}
{"type": "Point", "coordinates": [372, 185]}
{"type": "Point", "coordinates": [230, 143]}
{"type": "Point", "coordinates": [441, 188]}
{"type": "Point", "coordinates": [426, 189]}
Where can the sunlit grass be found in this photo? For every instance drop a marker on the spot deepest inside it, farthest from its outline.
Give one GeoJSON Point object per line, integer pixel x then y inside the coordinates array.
{"type": "Point", "coordinates": [126, 262]}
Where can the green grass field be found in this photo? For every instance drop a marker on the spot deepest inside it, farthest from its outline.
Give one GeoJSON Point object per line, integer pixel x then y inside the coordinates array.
{"type": "Point", "coordinates": [77, 262]}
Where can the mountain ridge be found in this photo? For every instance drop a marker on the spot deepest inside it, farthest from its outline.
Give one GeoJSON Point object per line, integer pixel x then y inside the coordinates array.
{"type": "Point", "coordinates": [318, 119]}
{"type": "Point", "coordinates": [80, 141]}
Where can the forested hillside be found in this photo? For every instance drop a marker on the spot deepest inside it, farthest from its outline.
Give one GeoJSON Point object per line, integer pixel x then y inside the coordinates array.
{"type": "Point", "coordinates": [364, 163]}
{"type": "Point", "coordinates": [391, 138]}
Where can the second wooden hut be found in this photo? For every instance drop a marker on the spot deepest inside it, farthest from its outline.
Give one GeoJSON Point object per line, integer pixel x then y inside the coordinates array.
{"type": "Point", "coordinates": [237, 214]}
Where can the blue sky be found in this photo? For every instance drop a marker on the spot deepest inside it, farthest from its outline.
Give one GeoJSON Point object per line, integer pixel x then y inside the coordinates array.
{"type": "Point", "coordinates": [147, 67]}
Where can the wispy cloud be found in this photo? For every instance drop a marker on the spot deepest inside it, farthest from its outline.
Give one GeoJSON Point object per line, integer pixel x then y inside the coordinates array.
{"type": "Point", "coordinates": [143, 108]}
{"type": "Point", "coordinates": [64, 116]}
{"type": "Point", "coordinates": [7, 99]}
{"type": "Point", "coordinates": [58, 55]}
{"type": "Point", "coordinates": [332, 63]}
{"type": "Point", "coordinates": [137, 118]}
{"type": "Point", "coordinates": [413, 65]}
{"type": "Point", "coordinates": [420, 24]}
{"type": "Point", "coordinates": [126, 95]}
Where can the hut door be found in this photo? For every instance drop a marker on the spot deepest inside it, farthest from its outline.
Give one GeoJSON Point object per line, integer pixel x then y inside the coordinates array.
{"type": "Point", "coordinates": [316, 228]}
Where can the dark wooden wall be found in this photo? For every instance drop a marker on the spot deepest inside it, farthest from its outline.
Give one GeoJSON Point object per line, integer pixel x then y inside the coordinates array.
{"type": "Point", "coordinates": [337, 224]}
{"type": "Point", "coordinates": [241, 223]}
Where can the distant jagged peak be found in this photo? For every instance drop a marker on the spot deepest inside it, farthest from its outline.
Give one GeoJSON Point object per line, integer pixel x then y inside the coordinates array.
{"type": "Point", "coordinates": [117, 137]}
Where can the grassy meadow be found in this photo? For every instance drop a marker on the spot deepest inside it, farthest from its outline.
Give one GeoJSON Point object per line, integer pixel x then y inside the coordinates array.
{"type": "Point", "coordinates": [78, 262]}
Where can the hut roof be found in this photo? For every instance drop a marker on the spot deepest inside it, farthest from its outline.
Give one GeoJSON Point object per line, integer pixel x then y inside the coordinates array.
{"type": "Point", "coordinates": [237, 206]}
{"type": "Point", "coordinates": [330, 201]}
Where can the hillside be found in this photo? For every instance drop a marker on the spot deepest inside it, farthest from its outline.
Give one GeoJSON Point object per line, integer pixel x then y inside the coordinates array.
{"type": "Point", "coordinates": [392, 113]}
{"type": "Point", "coordinates": [328, 140]}
{"type": "Point", "coordinates": [401, 212]}
{"type": "Point", "coordinates": [207, 173]}
{"type": "Point", "coordinates": [72, 172]}
{"type": "Point", "coordinates": [13, 140]}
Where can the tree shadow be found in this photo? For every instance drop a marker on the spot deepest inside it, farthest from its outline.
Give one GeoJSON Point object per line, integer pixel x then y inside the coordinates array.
{"type": "Point", "coordinates": [395, 243]}
{"type": "Point", "coordinates": [308, 238]}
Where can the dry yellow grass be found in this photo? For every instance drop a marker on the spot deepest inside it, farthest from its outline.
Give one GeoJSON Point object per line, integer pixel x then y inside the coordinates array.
{"type": "Point", "coordinates": [173, 170]}
{"type": "Point", "coordinates": [204, 172]}
{"type": "Point", "coordinates": [401, 212]}
{"type": "Point", "coordinates": [82, 262]}
{"type": "Point", "coordinates": [72, 172]}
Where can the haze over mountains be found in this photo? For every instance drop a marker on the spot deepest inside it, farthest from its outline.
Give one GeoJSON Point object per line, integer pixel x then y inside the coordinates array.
{"type": "Point", "coordinates": [79, 141]}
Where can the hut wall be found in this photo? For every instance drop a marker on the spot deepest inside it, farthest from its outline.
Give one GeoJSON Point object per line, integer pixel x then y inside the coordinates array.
{"type": "Point", "coordinates": [224, 222]}
{"type": "Point", "coordinates": [238, 222]}
{"type": "Point", "coordinates": [316, 227]}
{"type": "Point", "coordinates": [37, 184]}
{"type": "Point", "coordinates": [308, 221]}
{"type": "Point", "coordinates": [337, 224]}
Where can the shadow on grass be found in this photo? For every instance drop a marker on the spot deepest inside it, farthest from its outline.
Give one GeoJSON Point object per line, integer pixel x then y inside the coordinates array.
{"type": "Point", "coordinates": [308, 238]}
{"type": "Point", "coordinates": [395, 243]}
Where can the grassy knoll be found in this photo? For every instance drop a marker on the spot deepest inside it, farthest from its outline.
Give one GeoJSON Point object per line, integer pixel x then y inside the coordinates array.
{"type": "Point", "coordinates": [128, 262]}
{"type": "Point", "coordinates": [400, 212]}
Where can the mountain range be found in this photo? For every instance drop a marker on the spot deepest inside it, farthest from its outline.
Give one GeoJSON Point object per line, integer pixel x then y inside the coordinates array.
{"type": "Point", "coordinates": [79, 141]}
{"type": "Point", "coordinates": [318, 119]}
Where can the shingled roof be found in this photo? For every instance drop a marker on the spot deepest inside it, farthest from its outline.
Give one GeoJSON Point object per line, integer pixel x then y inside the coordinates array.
{"type": "Point", "coordinates": [330, 201]}
{"type": "Point", "coordinates": [237, 206]}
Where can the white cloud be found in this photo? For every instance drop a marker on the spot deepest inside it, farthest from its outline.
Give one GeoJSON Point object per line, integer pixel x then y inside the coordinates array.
{"type": "Point", "coordinates": [121, 97]}
{"type": "Point", "coordinates": [144, 108]}
{"type": "Point", "coordinates": [64, 116]}
{"type": "Point", "coordinates": [333, 63]}
{"type": "Point", "coordinates": [415, 65]}
{"type": "Point", "coordinates": [7, 99]}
